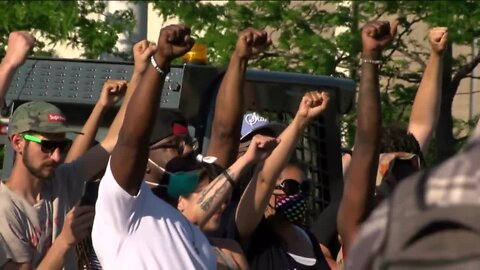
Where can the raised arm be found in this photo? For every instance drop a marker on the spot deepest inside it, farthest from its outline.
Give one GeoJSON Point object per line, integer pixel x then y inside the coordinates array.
{"type": "Point", "coordinates": [141, 53]}
{"type": "Point", "coordinates": [19, 46]}
{"type": "Point", "coordinates": [229, 106]}
{"type": "Point", "coordinates": [220, 188]}
{"type": "Point", "coordinates": [95, 159]}
{"type": "Point", "coordinates": [112, 92]}
{"type": "Point", "coordinates": [426, 107]}
{"type": "Point", "coordinates": [255, 198]}
{"type": "Point", "coordinates": [359, 187]}
{"type": "Point", "coordinates": [129, 157]}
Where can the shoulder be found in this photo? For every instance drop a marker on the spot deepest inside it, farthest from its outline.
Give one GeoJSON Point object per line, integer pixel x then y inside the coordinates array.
{"type": "Point", "coordinates": [7, 201]}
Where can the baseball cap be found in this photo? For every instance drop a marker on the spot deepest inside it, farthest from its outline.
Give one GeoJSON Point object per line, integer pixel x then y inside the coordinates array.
{"type": "Point", "coordinates": [38, 116]}
{"type": "Point", "coordinates": [168, 123]}
{"type": "Point", "coordinates": [254, 122]}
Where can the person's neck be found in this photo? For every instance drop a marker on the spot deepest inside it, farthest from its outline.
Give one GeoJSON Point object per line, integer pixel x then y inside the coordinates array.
{"type": "Point", "coordinates": [279, 223]}
{"type": "Point", "coordinates": [24, 184]}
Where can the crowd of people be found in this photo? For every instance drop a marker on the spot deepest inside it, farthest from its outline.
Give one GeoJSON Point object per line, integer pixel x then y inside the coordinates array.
{"type": "Point", "coordinates": [143, 197]}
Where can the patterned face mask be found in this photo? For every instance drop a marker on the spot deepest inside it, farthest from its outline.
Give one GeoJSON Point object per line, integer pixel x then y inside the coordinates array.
{"type": "Point", "coordinates": [292, 207]}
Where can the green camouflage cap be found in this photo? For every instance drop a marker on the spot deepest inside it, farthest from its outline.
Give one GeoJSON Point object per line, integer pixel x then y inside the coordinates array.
{"type": "Point", "coordinates": [38, 116]}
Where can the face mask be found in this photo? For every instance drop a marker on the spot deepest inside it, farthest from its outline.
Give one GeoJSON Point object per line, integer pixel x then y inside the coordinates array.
{"type": "Point", "coordinates": [293, 207]}
{"type": "Point", "coordinates": [179, 183]}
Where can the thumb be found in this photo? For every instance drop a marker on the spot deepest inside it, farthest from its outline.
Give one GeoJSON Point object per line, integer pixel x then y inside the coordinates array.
{"type": "Point", "coordinates": [394, 27]}
{"type": "Point", "coordinates": [444, 37]}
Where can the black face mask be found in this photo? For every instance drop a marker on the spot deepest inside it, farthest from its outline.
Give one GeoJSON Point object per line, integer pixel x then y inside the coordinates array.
{"type": "Point", "coordinates": [183, 163]}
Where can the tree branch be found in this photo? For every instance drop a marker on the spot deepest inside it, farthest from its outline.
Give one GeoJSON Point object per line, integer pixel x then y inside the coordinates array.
{"type": "Point", "coordinates": [399, 37]}
{"type": "Point", "coordinates": [471, 76]}
{"type": "Point", "coordinates": [461, 73]}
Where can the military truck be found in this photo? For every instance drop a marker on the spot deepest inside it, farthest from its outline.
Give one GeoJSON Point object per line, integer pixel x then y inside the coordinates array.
{"type": "Point", "coordinates": [74, 86]}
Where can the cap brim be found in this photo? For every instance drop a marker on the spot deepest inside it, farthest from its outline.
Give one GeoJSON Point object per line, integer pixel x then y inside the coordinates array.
{"type": "Point", "coordinates": [275, 127]}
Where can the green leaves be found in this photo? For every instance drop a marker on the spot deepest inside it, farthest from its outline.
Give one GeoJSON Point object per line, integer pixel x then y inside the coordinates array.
{"type": "Point", "coordinates": [78, 23]}
{"type": "Point", "coordinates": [316, 37]}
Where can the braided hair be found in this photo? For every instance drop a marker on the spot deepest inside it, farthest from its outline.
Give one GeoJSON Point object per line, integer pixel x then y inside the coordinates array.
{"type": "Point", "coordinates": [398, 139]}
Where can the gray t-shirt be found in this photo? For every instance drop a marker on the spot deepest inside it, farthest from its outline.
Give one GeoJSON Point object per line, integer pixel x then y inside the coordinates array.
{"type": "Point", "coordinates": [5, 255]}
{"type": "Point", "coordinates": [29, 230]}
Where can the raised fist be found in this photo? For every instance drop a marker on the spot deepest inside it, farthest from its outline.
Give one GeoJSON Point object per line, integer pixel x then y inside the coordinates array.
{"type": "Point", "coordinates": [142, 51]}
{"type": "Point", "coordinates": [260, 148]}
{"type": "Point", "coordinates": [251, 42]}
{"type": "Point", "coordinates": [173, 41]}
{"type": "Point", "coordinates": [19, 46]}
{"type": "Point", "coordinates": [438, 38]}
{"type": "Point", "coordinates": [112, 92]}
{"type": "Point", "coordinates": [376, 35]}
{"type": "Point", "coordinates": [313, 104]}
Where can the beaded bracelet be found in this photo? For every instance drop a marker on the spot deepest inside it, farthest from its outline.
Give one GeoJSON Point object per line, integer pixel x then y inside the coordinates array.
{"type": "Point", "coordinates": [370, 61]}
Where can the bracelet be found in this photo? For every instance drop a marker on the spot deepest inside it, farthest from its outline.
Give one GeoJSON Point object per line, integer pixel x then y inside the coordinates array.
{"type": "Point", "coordinates": [229, 178]}
{"type": "Point", "coordinates": [370, 61]}
{"type": "Point", "coordinates": [157, 68]}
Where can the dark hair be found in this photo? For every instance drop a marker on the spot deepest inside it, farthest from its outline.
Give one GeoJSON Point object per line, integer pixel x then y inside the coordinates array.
{"type": "Point", "coordinates": [398, 139]}
{"type": "Point", "coordinates": [299, 164]}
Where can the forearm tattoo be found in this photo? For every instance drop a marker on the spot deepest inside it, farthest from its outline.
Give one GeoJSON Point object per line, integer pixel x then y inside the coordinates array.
{"type": "Point", "coordinates": [206, 199]}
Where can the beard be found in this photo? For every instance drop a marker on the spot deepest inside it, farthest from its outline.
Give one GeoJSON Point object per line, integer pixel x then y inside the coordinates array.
{"type": "Point", "coordinates": [44, 171]}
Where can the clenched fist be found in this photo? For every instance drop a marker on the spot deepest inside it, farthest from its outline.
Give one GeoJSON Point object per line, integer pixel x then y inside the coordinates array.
{"type": "Point", "coordinates": [312, 105]}
{"type": "Point", "coordinates": [142, 51]}
{"type": "Point", "coordinates": [173, 41]}
{"type": "Point", "coordinates": [376, 35]}
{"type": "Point", "coordinates": [19, 46]}
{"type": "Point", "coordinates": [251, 42]}
{"type": "Point", "coordinates": [112, 92]}
{"type": "Point", "coordinates": [438, 38]}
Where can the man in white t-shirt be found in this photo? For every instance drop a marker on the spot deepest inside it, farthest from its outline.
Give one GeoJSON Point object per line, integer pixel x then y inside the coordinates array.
{"type": "Point", "coordinates": [134, 229]}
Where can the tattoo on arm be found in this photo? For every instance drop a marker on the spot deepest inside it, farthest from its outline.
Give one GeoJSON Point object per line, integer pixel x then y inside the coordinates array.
{"type": "Point", "coordinates": [207, 197]}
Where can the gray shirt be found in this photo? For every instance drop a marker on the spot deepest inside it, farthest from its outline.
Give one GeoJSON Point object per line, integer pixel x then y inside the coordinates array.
{"type": "Point", "coordinates": [29, 230]}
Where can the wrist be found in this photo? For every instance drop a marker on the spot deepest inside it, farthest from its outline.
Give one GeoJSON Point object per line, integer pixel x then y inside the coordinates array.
{"type": "Point", "coordinates": [8, 65]}
{"type": "Point", "coordinates": [245, 161]}
{"type": "Point", "coordinates": [162, 62]}
{"type": "Point", "coordinates": [101, 107]}
{"type": "Point", "coordinates": [63, 243]}
{"type": "Point", "coordinates": [240, 57]}
{"type": "Point", "coordinates": [300, 121]}
{"type": "Point", "coordinates": [436, 54]}
{"type": "Point", "coordinates": [371, 54]}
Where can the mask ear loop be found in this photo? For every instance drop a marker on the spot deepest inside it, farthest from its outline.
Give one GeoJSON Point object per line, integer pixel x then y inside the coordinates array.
{"type": "Point", "coordinates": [161, 169]}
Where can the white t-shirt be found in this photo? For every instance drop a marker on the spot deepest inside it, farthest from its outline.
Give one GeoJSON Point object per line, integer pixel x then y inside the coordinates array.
{"type": "Point", "coordinates": [144, 232]}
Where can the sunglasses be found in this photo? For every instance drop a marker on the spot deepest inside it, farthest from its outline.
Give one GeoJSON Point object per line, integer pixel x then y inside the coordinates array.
{"type": "Point", "coordinates": [293, 187]}
{"type": "Point", "coordinates": [178, 144]}
{"type": "Point", "coordinates": [47, 146]}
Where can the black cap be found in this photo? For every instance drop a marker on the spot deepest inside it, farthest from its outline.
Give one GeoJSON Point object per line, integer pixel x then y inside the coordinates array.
{"type": "Point", "coordinates": [167, 123]}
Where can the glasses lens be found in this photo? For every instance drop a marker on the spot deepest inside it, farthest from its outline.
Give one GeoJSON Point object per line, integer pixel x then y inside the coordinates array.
{"type": "Point", "coordinates": [50, 146]}
{"type": "Point", "coordinates": [290, 187]}
{"type": "Point", "coordinates": [305, 186]}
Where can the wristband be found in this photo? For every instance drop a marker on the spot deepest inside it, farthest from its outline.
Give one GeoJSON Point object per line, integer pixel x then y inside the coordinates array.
{"type": "Point", "coordinates": [157, 68]}
{"type": "Point", "coordinates": [229, 178]}
{"type": "Point", "coordinates": [370, 61]}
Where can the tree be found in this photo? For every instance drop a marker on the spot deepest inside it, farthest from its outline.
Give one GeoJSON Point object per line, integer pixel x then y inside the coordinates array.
{"type": "Point", "coordinates": [81, 23]}
{"type": "Point", "coordinates": [306, 41]}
